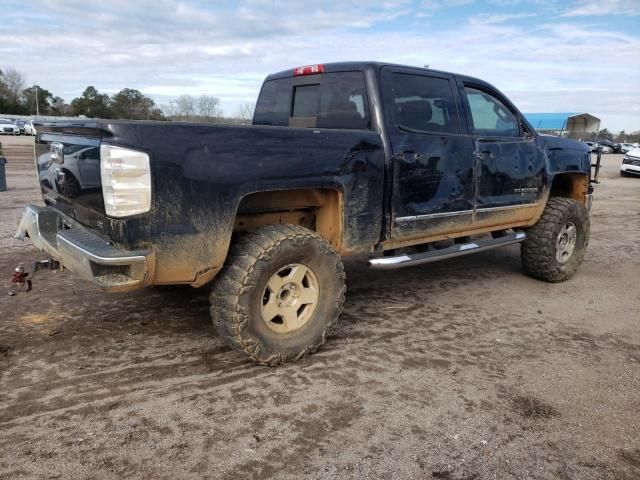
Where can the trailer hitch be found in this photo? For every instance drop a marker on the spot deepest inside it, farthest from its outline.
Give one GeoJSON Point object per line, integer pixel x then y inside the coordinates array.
{"type": "Point", "coordinates": [22, 280]}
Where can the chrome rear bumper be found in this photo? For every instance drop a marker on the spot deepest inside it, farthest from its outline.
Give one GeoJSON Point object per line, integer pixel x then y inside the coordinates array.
{"type": "Point", "coordinates": [83, 252]}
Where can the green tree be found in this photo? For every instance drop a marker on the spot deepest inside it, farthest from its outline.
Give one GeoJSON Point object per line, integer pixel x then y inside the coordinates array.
{"type": "Point", "coordinates": [39, 95]}
{"type": "Point", "coordinates": [92, 104]}
{"type": "Point", "coordinates": [605, 134]}
{"type": "Point", "coordinates": [133, 105]}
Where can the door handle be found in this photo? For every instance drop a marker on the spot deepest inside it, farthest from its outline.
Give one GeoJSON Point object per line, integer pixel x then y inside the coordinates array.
{"type": "Point", "coordinates": [409, 156]}
{"type": "Point", "coordinates": [483, 155]}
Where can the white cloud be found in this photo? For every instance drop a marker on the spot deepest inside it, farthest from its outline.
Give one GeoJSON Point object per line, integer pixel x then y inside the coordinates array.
{"type": "Point", "coordinates": [149, 45]}
{"type": "Point", "coordinates": [603, 7]}
{"type": "Point", "coordinates": [436, 4]}
{"type": "Point", "coordinates": [489, 18]}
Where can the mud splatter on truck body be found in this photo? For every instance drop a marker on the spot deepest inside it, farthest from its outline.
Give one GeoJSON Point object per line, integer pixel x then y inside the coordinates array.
{"type": "Point", "coordinates": [201, 173]}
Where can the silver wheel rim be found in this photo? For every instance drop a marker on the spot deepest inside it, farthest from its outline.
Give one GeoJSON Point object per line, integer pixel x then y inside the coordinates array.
{"type": "Point", "coordinates": [566, 242]}
{"type": "Point", "coordinates": [290, 298]}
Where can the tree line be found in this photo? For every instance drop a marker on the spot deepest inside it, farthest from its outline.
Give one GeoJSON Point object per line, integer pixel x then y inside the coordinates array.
{"type": "Point", "coordinates": [620, 137]}
{"type": "Point", "coordinates": [605, 134]}
{"type": "Point", "coordinates": [128, 103]}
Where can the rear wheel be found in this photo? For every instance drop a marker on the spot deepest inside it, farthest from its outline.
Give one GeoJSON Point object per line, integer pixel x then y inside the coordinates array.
{"type": "Point", "coordinates": [279, 294]}
{"type": "Point", "coordinates": [70, 187]}
{"type": "Point", "coordinates": [555, 246]}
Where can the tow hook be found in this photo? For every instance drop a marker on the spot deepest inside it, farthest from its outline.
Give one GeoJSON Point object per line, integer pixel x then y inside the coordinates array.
{"type": "Point", "coordinates": [22, 280]}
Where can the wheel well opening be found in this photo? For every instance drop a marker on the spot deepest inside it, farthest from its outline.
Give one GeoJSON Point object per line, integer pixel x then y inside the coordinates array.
{"type": "Point", "coordinates": [318, 209]}
{"type": "Point", "coordinates": [570, 185]}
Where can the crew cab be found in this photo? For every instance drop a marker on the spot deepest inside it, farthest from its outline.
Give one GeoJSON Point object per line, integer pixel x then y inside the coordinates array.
{"type": "Point", "coordinates": [407, 165]}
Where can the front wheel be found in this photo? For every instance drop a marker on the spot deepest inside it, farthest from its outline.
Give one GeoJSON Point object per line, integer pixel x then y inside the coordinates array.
{"type": "Point", "coordinates": [279, 294]}
{"type": "Point", "coordinates": [555, 245]}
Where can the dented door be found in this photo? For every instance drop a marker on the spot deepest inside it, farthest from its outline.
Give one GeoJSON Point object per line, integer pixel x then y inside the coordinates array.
{"type": "Point", "coordinates": [432, 163]}
{"type": "Point", "coordinates": [510, 167]}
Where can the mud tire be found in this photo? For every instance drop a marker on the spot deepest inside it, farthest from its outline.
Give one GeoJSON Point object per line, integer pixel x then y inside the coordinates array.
{"type": "Point", "coordinates": [538, 251]}
{"type": "Point", "coordinates": [237, 293]}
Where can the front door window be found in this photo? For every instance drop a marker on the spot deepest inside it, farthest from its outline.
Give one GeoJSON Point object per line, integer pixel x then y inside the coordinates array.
{"type": "Point", "coordinates": [490, 116]}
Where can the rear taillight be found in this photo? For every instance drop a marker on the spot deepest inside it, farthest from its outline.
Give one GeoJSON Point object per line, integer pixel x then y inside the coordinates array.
{"type": "Point", "coordinates": [308, 70]}
{"type": "Point", "coordinates": [126, 181]}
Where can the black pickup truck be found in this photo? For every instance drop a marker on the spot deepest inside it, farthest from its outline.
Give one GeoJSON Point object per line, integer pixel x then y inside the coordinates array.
{"type": "Point", "coordinates": [407, 165]}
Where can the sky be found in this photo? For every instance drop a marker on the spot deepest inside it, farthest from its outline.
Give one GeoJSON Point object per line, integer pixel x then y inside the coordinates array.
{"type": "Point", "coordinates": [546, 56]}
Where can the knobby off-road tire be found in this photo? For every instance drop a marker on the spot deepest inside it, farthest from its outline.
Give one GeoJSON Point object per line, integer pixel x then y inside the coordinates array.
{"type": "Point", "coordinates": [546, 252]}
{"type": "Point", "coordinates": [275, 269]}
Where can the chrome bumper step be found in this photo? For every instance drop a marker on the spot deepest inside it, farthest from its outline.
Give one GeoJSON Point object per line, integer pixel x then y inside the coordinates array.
{"type": "Point", "coordinates": [84, 252]}
{"type": "Point", "coordinates": [387, 263]}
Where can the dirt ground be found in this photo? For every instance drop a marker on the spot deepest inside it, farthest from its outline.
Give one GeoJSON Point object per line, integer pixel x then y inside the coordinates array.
{"type": "Point", "coordinates": [464, 369]}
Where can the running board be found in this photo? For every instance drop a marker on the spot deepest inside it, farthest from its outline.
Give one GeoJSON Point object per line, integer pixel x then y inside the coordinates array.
{"type": "Point", "coordinates": [387, 263]}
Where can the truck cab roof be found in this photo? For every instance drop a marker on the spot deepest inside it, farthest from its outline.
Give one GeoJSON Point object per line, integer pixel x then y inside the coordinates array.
{"type": "Point", "coordinates": [334, 67]}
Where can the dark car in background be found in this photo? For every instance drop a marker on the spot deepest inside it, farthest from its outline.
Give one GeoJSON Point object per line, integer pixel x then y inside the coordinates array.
{"type": "Point", "coordinates": [20, 124]}
{"type": "Point", "coordinates": [615, 147]}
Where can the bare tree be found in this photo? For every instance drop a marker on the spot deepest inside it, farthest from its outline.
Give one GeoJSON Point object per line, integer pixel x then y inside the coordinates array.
{"type": "Point", "coordinates": [170, 109]}
{"type": "Point", "coordinates": [185, 106]}
{"type": "Point", "coordinates": [245, 113]}
{"type": "Point", "coordinates": [208, 106]}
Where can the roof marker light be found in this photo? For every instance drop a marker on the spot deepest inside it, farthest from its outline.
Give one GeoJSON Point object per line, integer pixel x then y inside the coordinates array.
{"type": "Point", "coordinates": [308, 70]}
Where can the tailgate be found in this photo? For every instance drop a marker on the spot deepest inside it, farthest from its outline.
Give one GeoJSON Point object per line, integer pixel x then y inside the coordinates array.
{"type": "Point", "coordinates": [67, 156]}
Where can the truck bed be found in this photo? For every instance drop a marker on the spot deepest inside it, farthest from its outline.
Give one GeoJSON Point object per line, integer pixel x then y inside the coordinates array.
{"type": "Point", "coordinates": [201, 172]}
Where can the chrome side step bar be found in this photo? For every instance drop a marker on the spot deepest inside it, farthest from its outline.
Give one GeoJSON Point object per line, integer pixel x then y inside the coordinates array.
{"type": "Point", "coordinates": [387, 263]}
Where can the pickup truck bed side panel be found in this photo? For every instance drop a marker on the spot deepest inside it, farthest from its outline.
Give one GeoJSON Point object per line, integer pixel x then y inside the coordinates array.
{"type": "Point", "coordinates": [201, 173]}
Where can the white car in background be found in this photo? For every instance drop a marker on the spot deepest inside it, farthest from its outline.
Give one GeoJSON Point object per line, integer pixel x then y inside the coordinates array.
{"type": "Point", "coordinates": [29, 129]}
{"type": "Point", "coordinates": [625, 147]}
{"type": "Point", "coordinates": [596, 146]}
{"type": "Point", "coordinates": [630, 163]}
{"type": "Point", "coordinates": [7, 127]}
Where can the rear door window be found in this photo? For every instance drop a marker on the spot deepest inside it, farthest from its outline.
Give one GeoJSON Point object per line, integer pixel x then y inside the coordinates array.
{"type": "Point", "coordinates": [423, 103]}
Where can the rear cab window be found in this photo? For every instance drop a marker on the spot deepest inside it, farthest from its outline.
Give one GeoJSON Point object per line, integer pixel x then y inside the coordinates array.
{"type": "Point", "coordinates": [328, 100]}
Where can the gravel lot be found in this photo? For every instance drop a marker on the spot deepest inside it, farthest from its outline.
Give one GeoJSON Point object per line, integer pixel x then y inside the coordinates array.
{"type": "Point", "coordinates": [464, 369]}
